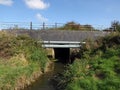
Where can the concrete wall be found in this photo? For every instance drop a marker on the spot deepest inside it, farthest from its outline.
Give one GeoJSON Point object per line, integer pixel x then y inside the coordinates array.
{"type": "Point", "coordinates": [50, 52]}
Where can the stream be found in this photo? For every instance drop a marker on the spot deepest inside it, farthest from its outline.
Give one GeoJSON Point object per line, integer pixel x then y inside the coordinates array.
{"type": "Point", "coordinates": [44, 82]}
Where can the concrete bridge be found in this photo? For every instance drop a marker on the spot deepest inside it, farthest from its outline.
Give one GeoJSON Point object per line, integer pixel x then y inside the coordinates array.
{"type": "Point", "coordinates": [61, 43]}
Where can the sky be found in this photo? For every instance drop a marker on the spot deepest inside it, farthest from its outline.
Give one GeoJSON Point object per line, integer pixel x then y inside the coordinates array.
{"type": "Point", "coordinates": [94, 12]}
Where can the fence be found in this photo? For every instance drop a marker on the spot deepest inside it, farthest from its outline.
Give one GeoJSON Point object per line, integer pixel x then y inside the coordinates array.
{"type": "Point", "coordinates": [28, 25]}
{"type": "Point", "coordinates": [38, 26]}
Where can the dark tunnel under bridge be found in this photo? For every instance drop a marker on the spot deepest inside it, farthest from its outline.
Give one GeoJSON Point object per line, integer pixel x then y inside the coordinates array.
{"type": "Point", "coordinates": [62, 54]}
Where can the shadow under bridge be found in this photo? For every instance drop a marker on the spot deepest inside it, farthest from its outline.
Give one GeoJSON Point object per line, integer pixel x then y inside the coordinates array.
{"type": "Point", "coordinates": [61, 50]}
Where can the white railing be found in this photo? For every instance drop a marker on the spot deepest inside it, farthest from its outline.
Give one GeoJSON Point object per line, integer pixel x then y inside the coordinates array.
{"type": "Point", "coordinates": [61, 44]}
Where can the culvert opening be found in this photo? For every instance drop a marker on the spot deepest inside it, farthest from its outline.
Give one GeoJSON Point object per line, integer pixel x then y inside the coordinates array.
{"type": "Point", "coordinates": [62, 54]}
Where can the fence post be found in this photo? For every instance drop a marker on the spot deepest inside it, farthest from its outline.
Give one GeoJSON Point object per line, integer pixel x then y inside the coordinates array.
{"type": "Point", "coordinates": [43, 25]}
{"type": "Point", "coordinates": [30, 25]}
{"type": "Point", "coordinates": [55, 25]}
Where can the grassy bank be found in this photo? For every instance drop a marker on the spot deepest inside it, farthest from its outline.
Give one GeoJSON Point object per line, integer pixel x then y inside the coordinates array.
{"type": "Point", "coordinates": [22, 60]}
{"type": "Point", "coordinates": [98, 68]}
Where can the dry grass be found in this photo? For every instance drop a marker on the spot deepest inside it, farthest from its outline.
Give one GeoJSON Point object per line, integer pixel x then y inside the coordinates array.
{"type": "Point", "coordinates": [21, 61]}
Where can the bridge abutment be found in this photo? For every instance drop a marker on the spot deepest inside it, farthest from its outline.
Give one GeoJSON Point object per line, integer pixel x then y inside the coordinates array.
{"type": "Point", "coordinates": [50, 53]}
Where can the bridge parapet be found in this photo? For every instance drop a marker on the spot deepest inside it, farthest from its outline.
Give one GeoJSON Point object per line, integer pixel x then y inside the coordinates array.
{"type": "Point", "coordinates": [61, 44]}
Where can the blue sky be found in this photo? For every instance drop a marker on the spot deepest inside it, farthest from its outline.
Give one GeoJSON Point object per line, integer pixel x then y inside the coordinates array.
{"type": "Point", "coordinates": [93, 12]}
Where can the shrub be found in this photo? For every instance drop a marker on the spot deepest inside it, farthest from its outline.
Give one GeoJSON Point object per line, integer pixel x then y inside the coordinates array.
{"type": "Point", "coordinates": [20, 58]}
{"type": "Point", "coordinates": [98, 69]}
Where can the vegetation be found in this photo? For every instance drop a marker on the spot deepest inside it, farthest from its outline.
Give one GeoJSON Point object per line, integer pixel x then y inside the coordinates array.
{"type": "Point", "coordinates": [75, 26]}
{"type": "Point", "coordinates": [22, 60]}
{"type": "Point", "coordinates": [116, 25]}
{"type": "Point", "coordinates": [98, 68]}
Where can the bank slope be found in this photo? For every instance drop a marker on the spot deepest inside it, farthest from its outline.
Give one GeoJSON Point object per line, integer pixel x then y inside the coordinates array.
{"type": "Point", "coordinates": [22, 60]}
{"type": "Point", "coordinates": [98, 68]}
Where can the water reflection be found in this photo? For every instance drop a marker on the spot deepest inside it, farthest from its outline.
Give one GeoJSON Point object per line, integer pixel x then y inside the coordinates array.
{"type": "Point", "coordinates": [44, 82]}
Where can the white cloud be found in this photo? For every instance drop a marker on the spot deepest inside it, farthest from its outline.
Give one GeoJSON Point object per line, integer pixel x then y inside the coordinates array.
{"type": "Point", "coordinates": [36, 4]}
{"type": "Point", "coordinates": [6, 2]}
{"type": "Point", "coordinates": [41, 18]}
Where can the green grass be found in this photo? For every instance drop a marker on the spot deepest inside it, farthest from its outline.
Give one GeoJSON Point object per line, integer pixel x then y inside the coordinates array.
{"type": "Point", "coordinates": [11, 71]}
{"type": "Point", "coordinates": [22, 59]}
{"type": "Point", "coordinates": [98, 69]}
{"type": "Point", "coordinates": [101, 75]}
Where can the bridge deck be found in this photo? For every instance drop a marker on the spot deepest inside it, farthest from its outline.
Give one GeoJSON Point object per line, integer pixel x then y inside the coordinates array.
{"type": "Point", "coordinates": [62, 38]}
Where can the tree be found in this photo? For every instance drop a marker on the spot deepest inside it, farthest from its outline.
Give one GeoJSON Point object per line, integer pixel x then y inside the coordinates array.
{"type": "Point", "coordinates": [75, 26]}
{"type": "Point", "coordinates": [115, 25]}
{"type": "Point", "coordinates": [72, 26]}
{"type": "Point", "coordinates": [88, 27]}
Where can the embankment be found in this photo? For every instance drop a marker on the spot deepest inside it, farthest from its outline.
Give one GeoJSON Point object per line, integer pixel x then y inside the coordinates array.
{"type": "Point", "coordinates": [22, 61]}
{"type": "Point", "coordinates": [97, 69]}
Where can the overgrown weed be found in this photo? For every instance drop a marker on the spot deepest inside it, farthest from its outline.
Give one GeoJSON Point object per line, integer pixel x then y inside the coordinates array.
{"type": "Point", "coordinates": [20, 58]}
{"type": "Point", "coordinates": [99, 67]}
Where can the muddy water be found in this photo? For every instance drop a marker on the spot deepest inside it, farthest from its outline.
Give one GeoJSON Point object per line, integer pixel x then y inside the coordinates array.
{"type": "Point", "coordinates": [44, 82]}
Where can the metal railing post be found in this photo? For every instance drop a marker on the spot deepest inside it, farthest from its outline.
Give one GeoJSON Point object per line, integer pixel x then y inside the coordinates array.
{"type": "Point", "coordinates": [43, 25]}
{"type": "Point", "coordinates": [55, 25]}
{"type": "Point", "coordinates": [30, 25]}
